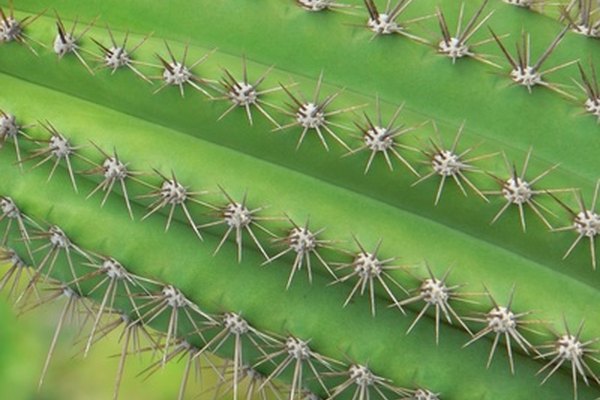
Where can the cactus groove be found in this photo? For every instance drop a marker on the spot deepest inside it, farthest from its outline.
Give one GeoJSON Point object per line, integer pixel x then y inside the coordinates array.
{"type": "Point", "coordinates": [339, 199]}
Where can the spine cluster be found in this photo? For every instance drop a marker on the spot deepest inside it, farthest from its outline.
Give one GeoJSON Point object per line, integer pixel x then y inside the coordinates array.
{"type": "Point", "coordinates": [193, 332]}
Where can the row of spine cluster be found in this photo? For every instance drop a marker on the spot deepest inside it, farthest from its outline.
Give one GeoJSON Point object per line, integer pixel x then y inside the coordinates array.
{"type": "Point", "coordinates": [315, 114]}
{"type": "Point", "coordinates": [364, 271]}
{"type": "Point", "coordinates": [580, 16]}
{"type": "Point", "coordinates": [112, 299]}
{"type": "Point", "coordinates": [195, 332]}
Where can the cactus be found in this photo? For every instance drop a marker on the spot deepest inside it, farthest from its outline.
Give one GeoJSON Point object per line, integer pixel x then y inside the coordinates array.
{"type": "Point", "coordinates": [336, 199]}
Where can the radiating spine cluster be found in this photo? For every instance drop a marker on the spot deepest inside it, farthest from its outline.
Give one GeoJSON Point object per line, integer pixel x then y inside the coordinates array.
{"type": "Point", "coordinates": [238, 218]}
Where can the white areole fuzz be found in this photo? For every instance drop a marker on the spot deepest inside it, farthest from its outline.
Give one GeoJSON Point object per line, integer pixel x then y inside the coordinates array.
{"type": "Point", "coordinates": [64, 44]}
{"type": "Point", "coordinates": [116, 57]}
{"type": "Point", "coordinates": [453, 48]}
{"type": "Point", "coordinates": [58, 238]}
{"type": "Point", "coordinates": [176, 74]}
{"type": "Point", "coordinates": [592, 105]}
{"type": "Point", "coordinates": [316, 5]}
{"type": "Point", "coordinates": [297, 349]}
{"type": "Point", "coordinates": [173, 192]}
{"type": "Point", "coordinates": [235, 324]}
{"type": "Point", "coordinates": [447, 163]}
{"type": "Point", "coordinates": [60, 146]}
{"type": "Point", "coordinates": [302, 240]}
{"type": "Point", "coordinates": [501, 320]}
{"type": "Point", "coordinates": [10, 30]}
{"type": "Point", "coordinates": [434, 292]}
{"type": "Point", "coordinates": [310, 116]}
{"type": "Point", "coordinates": [113, 269]}
{"type": "Point", "coordinates": [422, 394]}
{"type": "Point", "coordinates": [174, 297]}
{"type": "Point", "coordinates": [243, 94]}
{"type": "Point", "coordinates": [114, 169]}
{"type": "Point", "coordinates": [383, 25]}
{"type": "Point", "coordinates": [361, 375]}
{"type": "Point", "coordinates": [9, 208]}
{"type": "Point", "coordinates": [527, 76]}
{"type": "Point", "coordinates": [517, 191]}
{"type": "Point", "coordinates": [377, 138]}
{"type": "Point", "coordinates": [237, 215]}
{"type": "Point", "coordinates": [587, 223]}
{"type": "Point", "coordinates": [520, 3]}
{"type": "Point", "coordinates": [8, 127]}
{"type": "Point", "coordinates": [367, 265]}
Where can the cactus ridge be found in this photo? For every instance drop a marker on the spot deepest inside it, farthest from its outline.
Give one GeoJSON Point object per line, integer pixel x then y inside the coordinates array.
{"type": "Point", "coordinates": [65, 157]}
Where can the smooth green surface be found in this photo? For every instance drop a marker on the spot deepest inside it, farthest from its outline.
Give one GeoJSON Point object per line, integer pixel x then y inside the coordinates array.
{"type": "Point", "coordinates": [261, 174]}
{"type": "Point", "coordinates": [314, 312]}
{"type": "Point", "coordinates": [405, 235]}
{"type": "Point", "coordinates": [545, 128]}
{"type": "Point", "coordinates": [405, 217]}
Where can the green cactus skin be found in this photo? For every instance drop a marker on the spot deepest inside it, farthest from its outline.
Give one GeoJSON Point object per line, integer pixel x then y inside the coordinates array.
{"type": "Point", "coordinates": [218, 284]}
{"type": "Point", "coordinates": [184, 115]}
{"type": "Point", "coordinates": [334, 192]}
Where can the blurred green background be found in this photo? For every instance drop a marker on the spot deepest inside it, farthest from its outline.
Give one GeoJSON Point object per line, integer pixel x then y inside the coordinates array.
{"type": "Point", "coordinates": [24, 342]}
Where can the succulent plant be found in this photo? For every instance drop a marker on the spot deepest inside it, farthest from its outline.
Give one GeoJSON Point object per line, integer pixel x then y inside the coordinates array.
{"type": "Point", "coordinates": [337, 199]}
